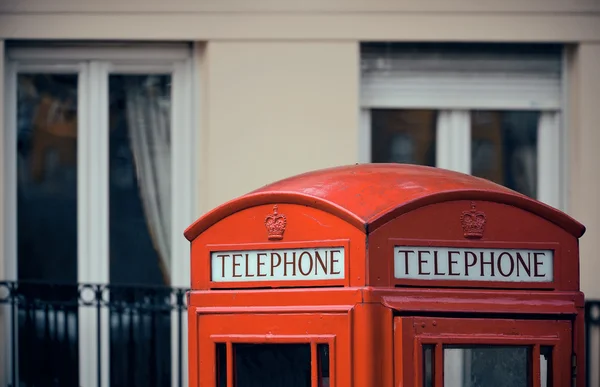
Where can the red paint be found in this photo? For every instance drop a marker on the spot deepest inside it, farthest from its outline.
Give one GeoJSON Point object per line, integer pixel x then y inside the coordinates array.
{"type": "Point", "coordinates": [370, 210]}
{"type": "Point", "coordinates": [369, 195]}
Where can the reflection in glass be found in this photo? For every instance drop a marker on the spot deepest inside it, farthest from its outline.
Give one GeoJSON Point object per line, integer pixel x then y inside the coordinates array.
{"type": "Point", "coordinates": [428, 364]}
{"type": "Point", "coordinates": [546, 366]}
{"type": "Point", "coordinates": [140, 178]}
{"type": "Point", "coordinates": [272, 365]}
{"type": "Point", "coordinates": [47, 177]}
{"type": "Point", "coordinates": [47, 225]}
{"type": "Point", "coordinates": [486, 366]}
{"type": "Point", "coordinates": [323, 360]}
{"type": "Point", "coordinates": [140, 226]}
{"type": "Point", "coordinates": [504, 148]}
{"type": "Point", "coordinates": [403, 136]}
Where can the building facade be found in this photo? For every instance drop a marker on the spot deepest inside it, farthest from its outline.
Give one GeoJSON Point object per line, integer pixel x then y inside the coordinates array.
{"type": "Point", "coordinates": [125, 120]}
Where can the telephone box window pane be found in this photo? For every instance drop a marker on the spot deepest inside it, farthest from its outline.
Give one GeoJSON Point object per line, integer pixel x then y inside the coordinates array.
{"type": "Point", "coordinates": [546, 366]}
{"type": "Point", "coordinates": [428, 353]}
{"type": "Point", "coordinates": [504, 148]}
{"type": "Point", "coordinates": [403, 136]}
{"type": "Point", "coordinates": [487, 366]}
{"type": "Point", "coordinates": [323, 356]}
{"type": "Point", "coordinates": [272, 365]}
{"type": "Point", "coordinates": [221, 368]}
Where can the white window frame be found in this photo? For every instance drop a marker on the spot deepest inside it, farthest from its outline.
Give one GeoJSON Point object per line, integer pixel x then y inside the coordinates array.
{"type": "Point", "coordinates": [405, 90]}
{"type": "Point", "coordinates": [94, 65]}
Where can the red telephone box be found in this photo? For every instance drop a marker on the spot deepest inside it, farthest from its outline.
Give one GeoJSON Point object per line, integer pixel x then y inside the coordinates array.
{"type": "Point", "coordinates": [385, 275]}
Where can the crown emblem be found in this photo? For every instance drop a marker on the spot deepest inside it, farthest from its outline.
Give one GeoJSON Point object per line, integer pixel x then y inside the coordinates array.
{"type": "Point", "coordinates": [473, 222]}
{"type": "Point", "coordinates": [275, 224]}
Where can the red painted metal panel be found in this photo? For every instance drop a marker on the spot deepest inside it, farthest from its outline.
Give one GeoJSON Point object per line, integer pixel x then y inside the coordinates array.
{"type": "Point", "coordinates": [367, 211]}
{"type": "Point", "coordinates": [305, 227]}
{"type": "Point", "coordinates": [231, 329]}
{"type": "Point", "coordinates": [506, 227]}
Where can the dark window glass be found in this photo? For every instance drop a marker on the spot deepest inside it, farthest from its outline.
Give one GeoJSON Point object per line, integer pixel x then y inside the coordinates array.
{"type": "Point", "coordinates": [47, 136]}
{"type": "Point", "coordinates": [272, 365]}
{"type": "Point", "coordinates": [428, 365]}
{"type": "Point", "coordinates": [403, 136]}
{"type": "Point", "coordinates": [323, 359]}
{"type": "Point", "coordinates": [221, 368]}
{"type": "Point", "coordinates": [504, 148]}
{"type": "Point", "coordinates": [140, 226]}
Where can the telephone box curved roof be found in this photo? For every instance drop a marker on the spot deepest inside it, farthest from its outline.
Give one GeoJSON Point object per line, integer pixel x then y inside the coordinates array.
{"type": "Point", "coordinates": [369, 195]}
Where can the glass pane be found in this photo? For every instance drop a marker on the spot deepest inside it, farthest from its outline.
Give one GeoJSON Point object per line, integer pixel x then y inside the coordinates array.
{"type": "Point", "coordinates": [323, 359]}
{"type": "Point", "coordinates": [140, 179]}
{"type": "Point", "coordinates": [140, 227]}
{"type": "Point", "coordinates": [546, 366]}
{"type": "Point", "coordinates": [47, 177]}
{"type": "Point", "coordinates": [221, 368]}
{"type": "Point", "coordinates": [272, 365]}
{"type": "Point", "coordinates": [428, 364]}
{"type": "Point", "coordinates": [403, 136]}
{"type": "Point", "coordinates": [504, 148]}
{"type": "Point", "coordinates": [486, 366]}
{"type": "Point", "coordinates": [47, 227]}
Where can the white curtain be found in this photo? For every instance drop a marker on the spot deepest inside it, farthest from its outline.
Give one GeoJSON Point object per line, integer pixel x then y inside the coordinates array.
{"type": "Point", "coordinates": [148, 118]}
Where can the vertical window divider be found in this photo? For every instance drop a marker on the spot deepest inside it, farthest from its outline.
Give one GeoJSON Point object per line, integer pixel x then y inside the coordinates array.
{"type": "Point", "coordinates": [548, 159]}
{"type": "Point", "coordinates": [230, 365]}
{"type": "Point", "coordinates": [364, 136]}
{"type": "Point", "coordinates": [93, 217]}
{"type": "Point", "coordinates": [87, 350]}
{"type": "Point", "coordinates": [453, 150]}
{"type": "Point", "coordinates": [8, 209]}
{"type": "Point", "coordinates": [182, 200]}
{"type": "Point", "coordinates": [438, 361]}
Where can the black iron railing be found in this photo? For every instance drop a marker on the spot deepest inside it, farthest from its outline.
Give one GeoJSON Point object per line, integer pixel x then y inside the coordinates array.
{"type": "Point", "coordinates": [592, 342]}
{"type": "Point", "coordinates": [43, 328]}
{"type": "Point", "coordinates": [47, 326]}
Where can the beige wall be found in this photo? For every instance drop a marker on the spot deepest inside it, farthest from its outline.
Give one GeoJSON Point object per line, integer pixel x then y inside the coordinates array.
{"type": "Point", "coordinates": [275, 109]}
{"type": "Point", "coordinates": [584, 137]}
{"type": "Point", "coordinates": [281, 77]}
{"type": "Point", "coordinates": [480, 20]}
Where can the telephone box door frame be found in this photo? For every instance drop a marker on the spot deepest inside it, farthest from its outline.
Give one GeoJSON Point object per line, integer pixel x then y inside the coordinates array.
{"type": "Point", "coordinates": [412, 333]}
{"type": "Point", "coordinates": [262, 327]}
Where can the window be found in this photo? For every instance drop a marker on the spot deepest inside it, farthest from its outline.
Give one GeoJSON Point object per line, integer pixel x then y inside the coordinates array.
{"type": "Point", "coordinates": [513, 352]}
{"type": "Point", "coordinates": [97, 137]}
{"type": "Point", "coordinates": [488, 365]}
{"type": "Point", "coordinates": [272, 365]}
{"type": "Point", "coordinates": [493, 111]}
